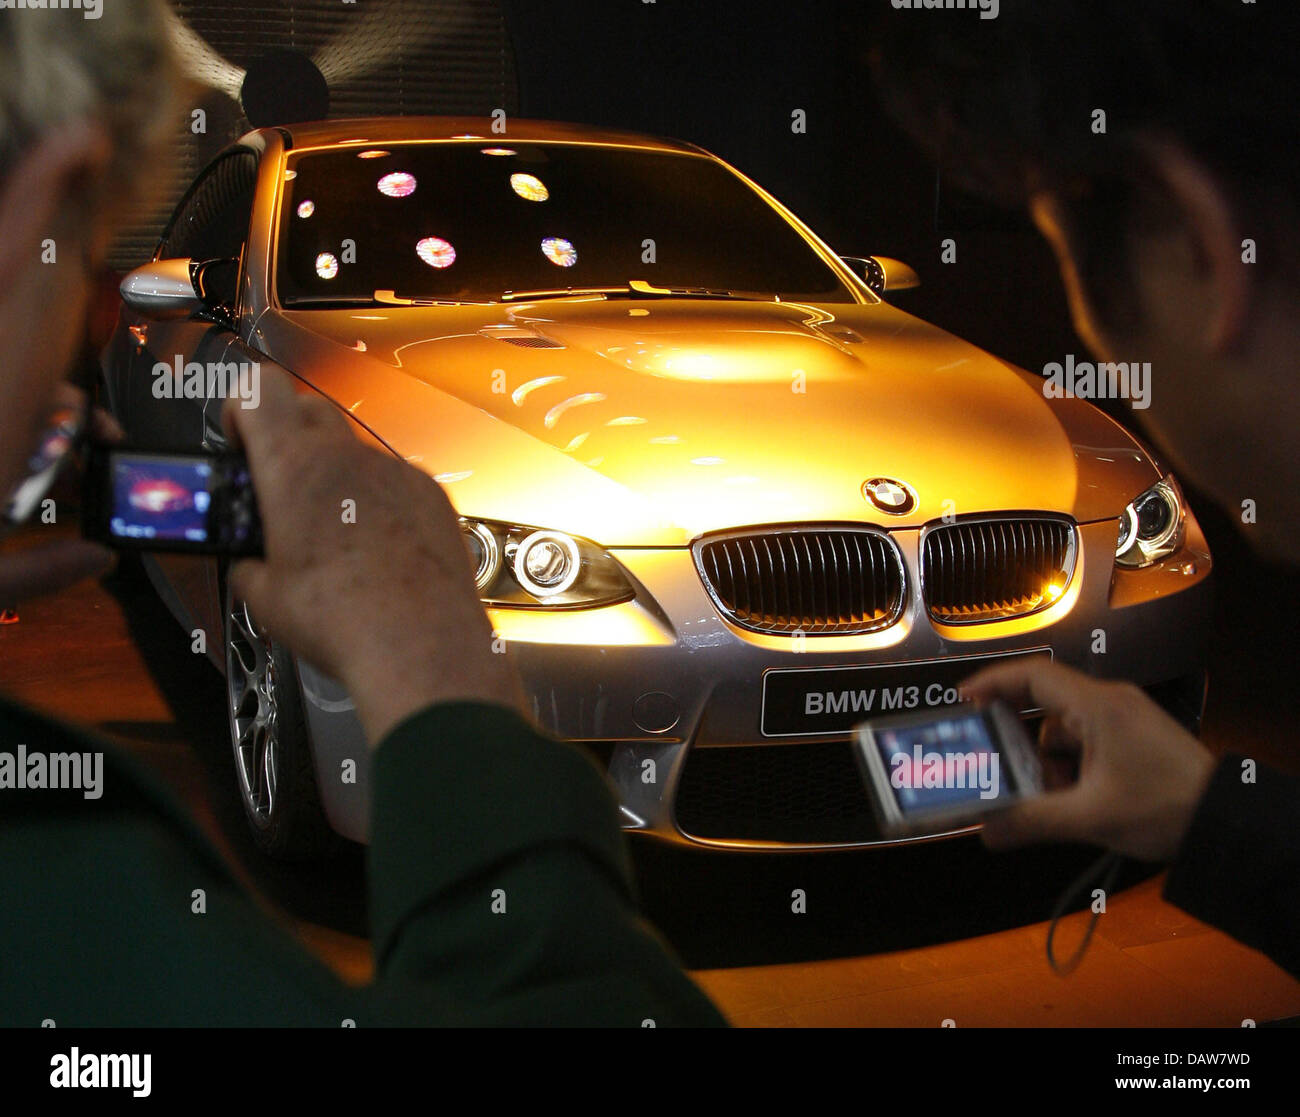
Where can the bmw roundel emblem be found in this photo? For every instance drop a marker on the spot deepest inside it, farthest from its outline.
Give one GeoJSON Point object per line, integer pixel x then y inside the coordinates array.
{"type": "Point", "coordinates": [889, 495]}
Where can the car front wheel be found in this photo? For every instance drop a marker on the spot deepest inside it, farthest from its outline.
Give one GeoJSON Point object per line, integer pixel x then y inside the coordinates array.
{"type": "Point", "coordinates": [268, 736]}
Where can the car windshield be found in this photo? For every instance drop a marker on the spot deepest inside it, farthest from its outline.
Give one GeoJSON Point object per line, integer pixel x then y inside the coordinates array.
{"type": "Point", "coordinates": [475, 221]}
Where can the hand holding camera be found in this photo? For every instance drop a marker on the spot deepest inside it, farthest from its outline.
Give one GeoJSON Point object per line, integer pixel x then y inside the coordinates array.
{"type": "Point", "coordinates": [1140, 775]}
{"type": "Point", "coordinates": [365, 572]}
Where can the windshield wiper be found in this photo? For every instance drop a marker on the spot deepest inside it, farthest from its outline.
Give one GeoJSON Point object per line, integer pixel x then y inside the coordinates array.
{"type": "Point", "coordinates": [379, 298]}
{"type": "Point", "coordinates": [392, 298]}
{"type": "Point", "coordinates": [634, 289]}
{"type": "Point", "coordinates": [561, 293]}
{"type": "Point", "coordinates": [328, 300]}
{"type": "Point", "coordinates": [640, 289]}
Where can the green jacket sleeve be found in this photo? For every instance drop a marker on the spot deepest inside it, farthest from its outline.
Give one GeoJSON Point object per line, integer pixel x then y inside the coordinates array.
{"type": "Point", "coordinates": [499, 878]}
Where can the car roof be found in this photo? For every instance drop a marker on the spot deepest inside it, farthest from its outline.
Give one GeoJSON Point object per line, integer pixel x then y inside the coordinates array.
{"type": "Point", "coordinates": [386, 129]}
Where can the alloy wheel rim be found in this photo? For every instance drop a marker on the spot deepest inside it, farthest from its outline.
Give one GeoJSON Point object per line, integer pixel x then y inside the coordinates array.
{"type": "Point", "coordinates": [251, 697]}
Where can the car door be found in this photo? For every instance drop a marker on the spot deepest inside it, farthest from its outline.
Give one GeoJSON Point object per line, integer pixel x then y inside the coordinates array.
{"type": "Point", "coordinates": [210, 223]}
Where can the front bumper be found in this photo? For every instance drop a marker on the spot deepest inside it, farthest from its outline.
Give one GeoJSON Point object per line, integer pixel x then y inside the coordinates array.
{"type": "Point", "coordinates": [663, 679]}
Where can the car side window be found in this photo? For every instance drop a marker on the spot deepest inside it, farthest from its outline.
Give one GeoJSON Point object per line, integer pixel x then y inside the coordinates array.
{"type": "Point", "coordinates": [211, 223]}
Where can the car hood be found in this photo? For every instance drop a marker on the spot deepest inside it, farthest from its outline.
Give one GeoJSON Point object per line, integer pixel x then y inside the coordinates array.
{"type": "Point", "coordinates": [654, 421]}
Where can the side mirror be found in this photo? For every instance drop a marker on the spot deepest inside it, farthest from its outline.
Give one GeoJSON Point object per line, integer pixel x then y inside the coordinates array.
{"type": "Point", "coordinates": [882, 273]}
{"type": "Point", "coordinates": [162, 289]}
{"type": "Point", "coordinates": [182, 288]}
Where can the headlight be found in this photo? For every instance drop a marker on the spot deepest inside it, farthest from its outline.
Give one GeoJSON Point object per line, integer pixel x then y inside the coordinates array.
{"type": "Point", "coordinates": [546, 563]}
{"type": "Point", "coordinates": [523, 567]}
{"type": "Point", "coordinates": [484, 552]}
{"type": "Point", "coordinates": [1151, 527]}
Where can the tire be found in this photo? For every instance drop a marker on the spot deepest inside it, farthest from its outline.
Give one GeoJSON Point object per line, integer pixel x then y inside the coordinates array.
{"type": "Point", "coordinates": [274, 773]}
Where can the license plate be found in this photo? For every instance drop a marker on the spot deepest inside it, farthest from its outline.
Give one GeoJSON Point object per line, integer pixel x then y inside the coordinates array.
{"type": "Point", "coordinates": [810, 702]}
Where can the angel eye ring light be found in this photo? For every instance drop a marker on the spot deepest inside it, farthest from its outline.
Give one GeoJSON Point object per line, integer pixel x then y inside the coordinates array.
{"type": "Point", "coordinates": [547, 563]}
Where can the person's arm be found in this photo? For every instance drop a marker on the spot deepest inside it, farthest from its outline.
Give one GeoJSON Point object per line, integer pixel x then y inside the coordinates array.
{"type": "Point", "coordinates": [499, 880]}
{"type": "Point", "coordinates": [1238, 868]}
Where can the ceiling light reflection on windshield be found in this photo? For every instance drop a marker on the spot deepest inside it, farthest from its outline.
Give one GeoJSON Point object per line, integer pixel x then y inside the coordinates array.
{"type": "Point", "coordinates": [529, 187]}
{"type": "Point", "coordinates": [327, 267]}
{"type": "Point", "coordinates": [560, 252]}
{"type": "Point", "coordinates": [372, 154]}
{"type": "Point", "coordinates": [436, 252]}
{"type": "Point", "coordinates": [399, 184]}
{"type": "Point", "coordinates": [498, 151]}
{"type": "Point", "coordinates": [307, 208]}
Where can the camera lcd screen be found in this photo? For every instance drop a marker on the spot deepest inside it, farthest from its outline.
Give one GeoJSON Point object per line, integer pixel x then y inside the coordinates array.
{"type": "Point", "coordinates": [943, 763]}
{"type": "Point", "coordinates": [160, 498]}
